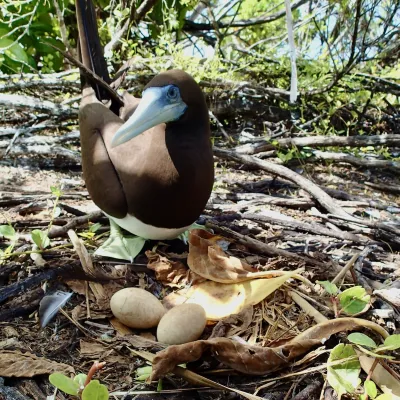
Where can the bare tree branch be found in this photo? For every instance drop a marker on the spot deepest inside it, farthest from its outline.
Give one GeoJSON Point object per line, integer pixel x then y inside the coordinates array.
{"type": "Point", "coordinates": [190, 26]}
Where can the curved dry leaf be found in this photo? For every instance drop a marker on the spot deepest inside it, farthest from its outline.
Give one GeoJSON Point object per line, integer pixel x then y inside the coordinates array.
{"type": "Point", "coordinates": [253, 359]}
{"type": "Point", "coordinates": [207, 259]}
{"type": "Point", "coordinates": [325, 330]}
{"type": "Point", "coordinates": [222, 300]}
{"type": "Point", "coordinates": [172, 273]}
{"type": "Point", "coordinates": [26, 365]}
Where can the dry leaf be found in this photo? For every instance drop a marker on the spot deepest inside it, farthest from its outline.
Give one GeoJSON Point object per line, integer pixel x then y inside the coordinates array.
{"type": "Point", "coordinates": [167, 272]}
{"type": "Point", "coordinates": [26, 365]}
{"type": "Point", "coordinates": [98, 351]}
{"type": "Point", "coordinates": [121, 329]}
{"type": "Point", "coordinates": [207, 259]}
{"type": "Point", "coordinates": [234, 324]}
{"type": "Point", "coordinates": [221, 300]}
{"type": "Point", "coordinates": [256, 360]}
{"type": "Point", "coordinates": [253, 360]}
{"type": "Point", "coordinates": [196, 379]}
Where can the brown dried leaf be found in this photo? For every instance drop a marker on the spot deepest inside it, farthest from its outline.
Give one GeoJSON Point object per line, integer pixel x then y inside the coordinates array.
{"type": "Point", "coordinates": [207, 259]}
{"type": "Point", "coordinates": [253, 359]}
{"type": "Point", "coordinates": [98, 351]}
{"type": "Point", "coordinates": [121, 329]}
{"type": "Point", "coordinates": [167, 272]}
{"type": "Point", "coordinates": [26, 365]}
{"type": "Point", "coordinates": [234, 324]}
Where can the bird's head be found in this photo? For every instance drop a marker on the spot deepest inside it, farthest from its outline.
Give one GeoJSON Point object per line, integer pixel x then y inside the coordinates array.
{"type": "Point", "coordinates": [167, 97]}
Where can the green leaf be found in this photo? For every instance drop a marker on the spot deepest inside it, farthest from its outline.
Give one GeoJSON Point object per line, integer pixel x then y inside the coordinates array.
{"type": "Point", "coordinates": [80, 379]}
{"type": "Point", "coordinates": [94, 228]}
{"type": "Point", "coordinates": [13, 50]}
{"type": "Point", "coordinates": [343, 377]}
{"type": "Point", "coordinates": [362, 340]}
{"type": "Point", "coordinates": [56, 191]}
{"type": "Point", "coordinates": [143, 373]}
{"type": "Point", "coordinates": [95, 391]}
{"type": "Point", "coordinates": [8, 232]}
{"type": "Point", "coordinates": [370, 389]}
{"type": "Point", "coordinates": [385, 396]}
{"type": "Point", "coordinates": [354, 300]}
{"type": "Point", "coordinates": [64, 383]}
{"type": "Point", "coordinates": [40, 238]}
{"type": "Point", "coordinates": [329, 287]}
{"type": "Point", "coordinates": [392, 342]}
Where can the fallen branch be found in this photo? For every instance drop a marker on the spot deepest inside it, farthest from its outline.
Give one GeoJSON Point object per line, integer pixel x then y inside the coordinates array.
{"type": "Point", "coordinates": [320, 141]}
{"type": "Point", "coordinates": [49, 155]}
{"type": "Point", "coordinates": [36, 104]}
{"type": "Point", "coordinates": [350, 159]}
{"type": "Point", "coordinates": [308, 227]}
{"type": "Point", "coordinates": [42, 140]}
{"type": "Point", "coordinates": [323, 198]}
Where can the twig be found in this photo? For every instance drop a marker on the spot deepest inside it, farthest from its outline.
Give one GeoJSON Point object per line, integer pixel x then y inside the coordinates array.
{"type": "Point", "coordinates": [57, 231]}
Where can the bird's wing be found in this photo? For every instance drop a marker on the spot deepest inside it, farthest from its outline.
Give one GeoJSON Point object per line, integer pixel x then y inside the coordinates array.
{"type": "Point", "coordinates": [97, 125]}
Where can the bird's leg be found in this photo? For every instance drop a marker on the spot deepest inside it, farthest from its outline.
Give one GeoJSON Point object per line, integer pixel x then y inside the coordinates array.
{"type": "Point", "coordinates": [120, 247]}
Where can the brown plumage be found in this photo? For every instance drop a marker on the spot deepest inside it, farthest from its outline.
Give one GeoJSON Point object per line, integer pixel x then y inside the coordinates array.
{"type": "Point", "coordinates": [163, 176]}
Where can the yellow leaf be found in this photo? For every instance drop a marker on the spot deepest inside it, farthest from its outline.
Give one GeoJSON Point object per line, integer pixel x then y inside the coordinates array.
{"type": "Point", "coordinates": [221, 300]}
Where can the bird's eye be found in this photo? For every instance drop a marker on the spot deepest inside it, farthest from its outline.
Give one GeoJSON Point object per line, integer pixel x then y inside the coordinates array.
{"type": "Point", "coordinates": [172, 92]}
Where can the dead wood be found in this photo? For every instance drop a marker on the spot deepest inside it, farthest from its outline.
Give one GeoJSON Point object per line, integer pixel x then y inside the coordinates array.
{"type": "Point", "coordinates": [320, 141]}
{"type": "Point", "coordinates": [353, 160]}
{"type": "Point", "coordinates": [10, 393]}
{"type": "Point", "coordinates": [384, 187]}
{"type": "Point", "coordinates": [308, 227]}
{"type": "Point", "coordinates": [22, 305]}
{"type": "Point", "coordinates": [59, 231]}
{"type": "Point", "coordinates": [30, 282]}
{"type": "Point", "coordinates": [314, 190]}
{"type": "Point", "coordinates": [15, 101]}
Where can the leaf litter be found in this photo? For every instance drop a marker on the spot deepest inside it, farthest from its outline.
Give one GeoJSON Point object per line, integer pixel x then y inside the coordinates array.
{"type": "Point", "coordinates": [256, 329]}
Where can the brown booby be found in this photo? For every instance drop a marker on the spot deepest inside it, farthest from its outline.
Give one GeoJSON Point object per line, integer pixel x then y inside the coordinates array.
{"type": "Point", "coordinates": [148, 162]}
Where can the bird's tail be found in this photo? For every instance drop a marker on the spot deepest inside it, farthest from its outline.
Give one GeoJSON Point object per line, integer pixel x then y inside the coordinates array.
{"type": "Point", "coordinates": [91, 51]}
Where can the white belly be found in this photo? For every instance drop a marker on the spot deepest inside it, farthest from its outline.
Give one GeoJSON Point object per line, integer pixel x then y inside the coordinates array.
{"type": "Point", "coordinates": [139, 228]}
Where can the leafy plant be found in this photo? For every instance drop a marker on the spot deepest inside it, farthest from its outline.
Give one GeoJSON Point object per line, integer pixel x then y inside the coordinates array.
{"type": "Point", "coordinates": [81, 386]}
{"type": "Point", "coordinates": [351, 301]}
{"type": "Point", "coordinates": [344, 367]}
{"type": "Point", "coordinates": [41, 238]}
{"type": "Point", "coordinates": [7, 232]}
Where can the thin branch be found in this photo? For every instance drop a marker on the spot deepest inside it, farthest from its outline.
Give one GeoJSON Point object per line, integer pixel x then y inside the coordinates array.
{"type": "Point", "coordinates": [190, 26]}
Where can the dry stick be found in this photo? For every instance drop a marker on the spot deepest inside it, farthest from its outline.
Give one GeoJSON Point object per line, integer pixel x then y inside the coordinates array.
{"type": "Point", "coordinates": [323, 198]}
{"type": "Point", "coordinates": [384, 187]}
{"type": "Point", "coordinates": [320, 141]}
{"type": "Point", "coordinates": [307, 227]}
{"type": "Point", "coordinates": [349, 159]}
{"type": "Point", "coordinates": [365, 222]}
{"type": "Point", "coordinates": [265, 248]}
{"type": "Point", "coordinates": [89, 73]}
{"type": "Point", "coordinates": [344, 270]}
{"type": "Point", "coordinates": [56, 231]}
